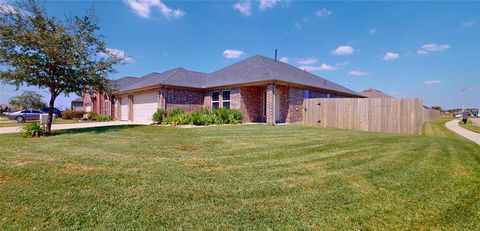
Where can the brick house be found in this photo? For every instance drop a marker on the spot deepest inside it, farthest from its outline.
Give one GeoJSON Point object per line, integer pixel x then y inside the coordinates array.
{"type": "Point", "coordinates": [374, 93]}
{"type": "Point", "coordinates": [265, 90]}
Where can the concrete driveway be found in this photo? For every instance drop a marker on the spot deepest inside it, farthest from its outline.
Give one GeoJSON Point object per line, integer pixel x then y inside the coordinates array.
{"type": "Point", "coordinates": [75, 125]}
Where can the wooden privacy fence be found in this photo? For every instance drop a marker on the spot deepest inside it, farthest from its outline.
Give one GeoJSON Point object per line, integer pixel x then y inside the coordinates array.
{"type": "Point", "coordinates": [369, 114]}
{"type": "Point", "coordinates": [430, 114]}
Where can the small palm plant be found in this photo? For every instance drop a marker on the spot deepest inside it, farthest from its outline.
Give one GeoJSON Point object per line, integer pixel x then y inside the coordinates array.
{"type": "Point", "coordinates": [34, 129]}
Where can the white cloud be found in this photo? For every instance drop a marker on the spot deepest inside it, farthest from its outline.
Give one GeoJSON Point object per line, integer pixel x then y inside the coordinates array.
{"type": "Point", "coordinates": [372, 31]}
{"type": "Point", "coordinates": [117, 54]}
{"type": "Point", "coordinates": [233, 54]}
{"type": "Point", "coordinates": [390, 56]}
{"type": "Point", "coordinates": [144, 8]}
{"type": "Point", "coordinates": [323, 12]}
{"type": "Point", "coordinates": [323, 67]}
{"type": "Point", "coordinates": [469, 23]}
{"type": "Point", "coordinates": [432, 82]}
{"type": "Point", "coordinates": [357, 73]}
{"type": "Point", "coordinates": [307, 61]}
{"type": "Point", "coordinates": [432, 47]}
{"type": "Point", "coordinates": [10, 9]}
{"type": "Point", "coordinates": [298, 25]}
{"type": "Point", "coordinates": [422, 52]}
{"type": "Point", "coordinates": [243, 7]}
{"type": "Point", "coordinates": [265, 4]}
{"type": "Point", "coordinates": [343, 50]}
{"type": "Point", "coordinates": [342, 64]}
{"type": "Point", "coordinates": [283, 59]}
{"type": "Point", "coordinates": [7, 8]}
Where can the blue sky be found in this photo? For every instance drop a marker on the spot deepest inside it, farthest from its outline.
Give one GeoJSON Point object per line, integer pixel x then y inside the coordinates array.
{"type": "Point", "coordinates": [407, 49]}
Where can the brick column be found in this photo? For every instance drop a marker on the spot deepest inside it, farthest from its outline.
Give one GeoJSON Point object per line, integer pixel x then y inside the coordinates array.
{"type": "Point", "coordinates": [117, 108]}
{"type": "Point", "coordinates": [161, 99]}
{"type": "Point", "coordinates": [130, 107]}
{"type": "Point", "coordinates": [270, 103]}
{"type": "Point", "coordinates": [101, 104]}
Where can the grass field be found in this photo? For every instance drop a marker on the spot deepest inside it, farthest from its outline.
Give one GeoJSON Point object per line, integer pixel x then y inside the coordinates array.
{"type": "Point", "coordinates": [239, 177]}
{"type": "Point", "coordinates": [470, 126]}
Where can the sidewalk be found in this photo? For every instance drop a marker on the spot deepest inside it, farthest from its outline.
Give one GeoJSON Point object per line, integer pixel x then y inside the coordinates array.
{"type": "Point", "coordinates": [473, 136]}
{"type": "Point", "coordinates": [72, 126]}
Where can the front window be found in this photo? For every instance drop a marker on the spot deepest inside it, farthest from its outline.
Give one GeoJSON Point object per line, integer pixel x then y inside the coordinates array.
{"type": "Point", "coordinates": [226, 99]}
{"type": "Point", "coordinates": [215, 100]}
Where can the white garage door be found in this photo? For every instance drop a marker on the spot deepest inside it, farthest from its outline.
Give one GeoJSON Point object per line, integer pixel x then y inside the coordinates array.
{"type": "Point", "coordinates": [124, 108]}
{"type": "Point", "coordinates": [144, 106]}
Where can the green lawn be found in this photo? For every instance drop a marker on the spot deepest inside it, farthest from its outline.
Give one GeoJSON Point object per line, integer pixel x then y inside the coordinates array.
{"type": "Point", "coordinates": [239, 177]}
{"type": "Point", "coordinates": [470, 126]}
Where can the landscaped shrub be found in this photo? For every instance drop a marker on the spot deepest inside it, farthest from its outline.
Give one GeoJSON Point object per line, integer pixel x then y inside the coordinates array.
{"type": "Point", "coordinates": [159, 115]}
{"type": "Point", "coordinates": [33, 130]}
{"type": "Point", "coordinates": [176, 112]}
{"type": "Point", "coordinates": [90, 115]}
{"type": "Point", "coordinates": [203, 117]}
{"type": "Point", "coordinates": [235, 117]}
{"type": "Point", "coordinates": [102, 118]}
{"type": "Point", "coordinates": [228, 116]}
{"type": "Point", "coordinates": [70, 114]}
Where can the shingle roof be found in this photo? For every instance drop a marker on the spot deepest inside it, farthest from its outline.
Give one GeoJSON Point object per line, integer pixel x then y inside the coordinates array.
{"type": "Point", "coordinates": [374, 93]}
{"type": "Point", "coordinates": [254, 69]}
{"type": "Point", "coordinates": [125, 82]}
{"type": "Point", "coordinates": [259, 68]}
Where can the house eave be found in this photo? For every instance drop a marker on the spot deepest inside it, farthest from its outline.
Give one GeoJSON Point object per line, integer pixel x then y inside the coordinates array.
{"type": "Point", "coordinates": [246, 84]}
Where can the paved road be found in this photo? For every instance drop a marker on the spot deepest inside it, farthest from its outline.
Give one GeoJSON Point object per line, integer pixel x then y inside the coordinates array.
{"type": "Point", "coordinates": [72, 126]}
{"type": "Point", "coordinates": [473, 136]}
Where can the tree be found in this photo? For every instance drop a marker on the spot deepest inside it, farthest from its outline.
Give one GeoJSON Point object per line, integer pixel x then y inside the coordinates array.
{"type": "Point", "coordinates": [64, 56]}
{"type": "Point", "coordinates": [28, 99]}
{"type": "Point", "coordinates": [437, 108]}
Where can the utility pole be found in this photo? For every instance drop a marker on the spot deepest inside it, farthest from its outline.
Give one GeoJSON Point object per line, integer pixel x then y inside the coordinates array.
{"type": "Point", "coordinates": [463, 100]}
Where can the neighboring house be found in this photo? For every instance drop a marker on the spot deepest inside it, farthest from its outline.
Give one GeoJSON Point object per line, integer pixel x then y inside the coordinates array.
{"type": "Point", "coordinates": [6, 108]}
{"type": "Point", "coordinates": [374, 93]}
{"type": "Point", "coordinates": [77, 104]}
{"type": "Point", "coordinates": [265, 91]}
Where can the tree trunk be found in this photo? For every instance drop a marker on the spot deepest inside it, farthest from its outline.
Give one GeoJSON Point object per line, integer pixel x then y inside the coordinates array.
{"type": "Point", "coordinates": [51, 105]}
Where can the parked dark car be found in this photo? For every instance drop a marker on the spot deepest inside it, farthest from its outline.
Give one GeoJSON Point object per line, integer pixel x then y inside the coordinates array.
{"type": "Point", "coordinates": [23, 115]}
{"type": "Point", "coordinates": [57, 112]}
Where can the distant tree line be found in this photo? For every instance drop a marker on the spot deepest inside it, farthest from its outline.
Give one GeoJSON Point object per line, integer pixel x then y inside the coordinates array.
{"type": "Point", "coordinates": [28, 99]}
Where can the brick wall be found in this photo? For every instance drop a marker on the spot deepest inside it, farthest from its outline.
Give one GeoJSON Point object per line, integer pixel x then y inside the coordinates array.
{"type": "Point", "coordinates": [283, 91]}
{"type": "Point", "coordinates": [295, 105]}
{"type": "Point", "coordinates": [188, 100]}
{"type": "Point", "coordinates": [235, 98]}
{"type": "Point", "coordinates": [252, 104]}
{"type": "Point", "coordinates": [87, 101]}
